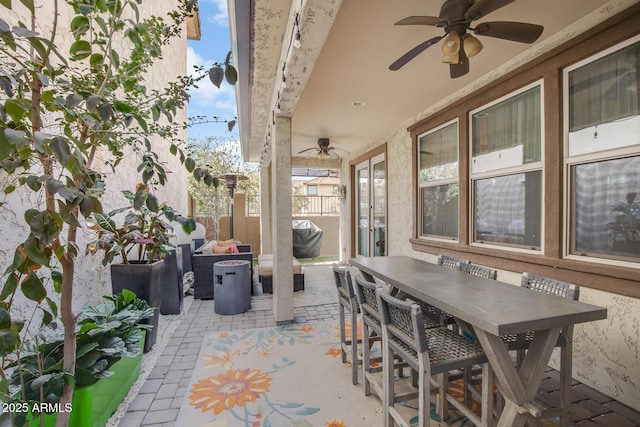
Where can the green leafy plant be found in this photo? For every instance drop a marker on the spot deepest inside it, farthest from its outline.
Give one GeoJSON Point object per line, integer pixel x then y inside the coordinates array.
{"type": "Point", "coordinates": [145, 231]}
{"type": "Point", "coordinates": [105, 333]}
{"type": "Point", "coordinates": [70, 113]}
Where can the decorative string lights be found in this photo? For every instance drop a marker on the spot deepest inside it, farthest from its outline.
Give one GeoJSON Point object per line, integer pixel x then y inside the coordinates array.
{"type": "Point", "coordinates": [295, 41]}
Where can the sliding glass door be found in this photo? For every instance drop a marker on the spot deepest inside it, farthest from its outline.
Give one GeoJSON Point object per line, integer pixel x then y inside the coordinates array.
{"type": "Point", "coordinates": [371, 207]}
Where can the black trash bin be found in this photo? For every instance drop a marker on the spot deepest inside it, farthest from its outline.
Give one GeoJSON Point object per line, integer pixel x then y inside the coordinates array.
{"type": "Point", "coordinates": [232, 286]}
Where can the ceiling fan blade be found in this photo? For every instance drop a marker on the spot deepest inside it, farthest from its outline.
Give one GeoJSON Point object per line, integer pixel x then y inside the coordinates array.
{"type": "Point", "coordinates": [419, 20]}
{"type": "Point", "coordinates": [402, 61]}
{"type": "Point", "coordinates": [461, 68]}
{"type": "Point", "coordinates": [484, 7]}
{"type": "Point", "coordinates": [333, 154]}
{"type": "Point", "coordinates": [515, 31]}
{"type": "Point", "coordinates": [312, 152]}
{"type": "Point", "coordinates": [308, 149]}
{"type": "Point", "coordinates": [338, 148]}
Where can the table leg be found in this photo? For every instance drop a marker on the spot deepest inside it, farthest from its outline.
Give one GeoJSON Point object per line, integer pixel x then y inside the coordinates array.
{"type": "Point", "coordinates": [519, 387]}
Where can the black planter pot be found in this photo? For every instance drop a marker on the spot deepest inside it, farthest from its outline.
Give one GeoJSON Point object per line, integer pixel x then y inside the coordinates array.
{"type": "Point", "coordinates": [145, 280]}
{"type": "Point", "coordinates": [171, 290]}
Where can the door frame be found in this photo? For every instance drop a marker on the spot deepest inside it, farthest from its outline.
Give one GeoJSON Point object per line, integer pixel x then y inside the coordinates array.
{"type": "Point", "coordinates": [381, 149]}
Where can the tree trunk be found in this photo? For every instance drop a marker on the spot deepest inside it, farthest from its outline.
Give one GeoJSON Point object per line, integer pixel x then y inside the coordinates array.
{"type": "Point", "coordinates": [69, 322]}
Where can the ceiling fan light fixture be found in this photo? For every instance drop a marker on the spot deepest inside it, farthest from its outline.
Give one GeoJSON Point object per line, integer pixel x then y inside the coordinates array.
{"type": "Point", "coordinates": [322, 154]}
{"type": "Point", "coordinates": [472, 46]}
{"type": "Point", "coordinates": [451, 48]}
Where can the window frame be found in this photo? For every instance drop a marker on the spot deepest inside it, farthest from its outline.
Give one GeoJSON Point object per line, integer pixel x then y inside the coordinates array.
{"type": "Point", "coordinates": [588, 158]}
{"type": "Point", "coordinates": [506, 171]}
{"type": "Point", "coordinates": [437, 182]}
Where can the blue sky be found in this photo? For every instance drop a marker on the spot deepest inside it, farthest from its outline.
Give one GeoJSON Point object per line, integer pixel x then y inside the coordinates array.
{"type": "Point", "coordinates": [207, 100]}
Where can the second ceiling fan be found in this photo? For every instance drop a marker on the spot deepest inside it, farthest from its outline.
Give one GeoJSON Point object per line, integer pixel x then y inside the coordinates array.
{"type": "Point", "coordinates": [456, 17]}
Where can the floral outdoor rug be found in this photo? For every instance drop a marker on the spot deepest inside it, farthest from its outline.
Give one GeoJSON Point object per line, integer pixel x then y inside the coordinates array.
{"type": "Point", "coordinates": [285, 376]}
{"type": "Point", "coordinates": [276, 377]}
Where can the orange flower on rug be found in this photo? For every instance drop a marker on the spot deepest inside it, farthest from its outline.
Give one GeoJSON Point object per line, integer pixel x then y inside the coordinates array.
{"type": "Point", "coordinates": [286, 376]}
{"type": "Point", "coordinates": [229, 389]}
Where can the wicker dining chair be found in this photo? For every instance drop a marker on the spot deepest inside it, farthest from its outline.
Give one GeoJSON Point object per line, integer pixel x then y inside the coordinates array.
{"type": "Point", "coordinates": [433, 312]}
{"type": "Point", "coordinates": [372, 332]}
{"type": "Point", "coordinates": [451, 262]}
{"type": "Point", "coordinates": [480, 271]}
{"type": "Point", "coordinates": [347, 305]}
{"type": "Point", "coordinates": [469, 374]}
{"type": "Point", "coordinates": [431, 352]}
{"type": "Point", "coordinates": [521, 342]}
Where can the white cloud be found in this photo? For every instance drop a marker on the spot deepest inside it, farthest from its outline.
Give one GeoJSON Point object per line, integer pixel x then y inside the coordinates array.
{"type": "Point", "coordinates": [222, 15]}
{"type": "Point", "coordinates": [206, 96]}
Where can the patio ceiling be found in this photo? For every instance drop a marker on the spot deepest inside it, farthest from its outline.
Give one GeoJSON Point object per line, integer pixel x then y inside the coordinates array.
{"type": "Point", "coordinates": [347, 47]}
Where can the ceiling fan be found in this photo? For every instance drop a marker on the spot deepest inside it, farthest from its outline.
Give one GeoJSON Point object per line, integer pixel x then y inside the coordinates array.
{"type": "Point", "coordinates": [456, 17]}
{"type": "Point", "coordinates": [323, 151]}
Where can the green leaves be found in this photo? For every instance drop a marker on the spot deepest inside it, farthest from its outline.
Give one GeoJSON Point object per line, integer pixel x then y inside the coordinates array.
{"type": "Point", "coordinates": [46, 226]}
{"type": "Point", "coordinates": [216, 75]}
{"type": "Point", "coordinates": [80, 49]}
{"type": "Point", "coordinates": [33, 288]}
{"type": "Point", "coordinates": [230, 74]}
{"type": "Point", "coordinates": [16, 109]}
{"type": "Point", "coordinates": [61, 149]}
{"type": "Point", "coordinates": [79, 25]}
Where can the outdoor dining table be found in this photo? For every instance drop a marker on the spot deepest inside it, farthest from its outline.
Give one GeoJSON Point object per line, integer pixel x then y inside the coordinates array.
{"type": "Point", "coordinates": [493, 309]}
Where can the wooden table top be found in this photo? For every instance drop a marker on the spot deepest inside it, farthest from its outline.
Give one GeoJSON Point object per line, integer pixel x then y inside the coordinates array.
{"type": "Point", "coordinates": [495, 307]}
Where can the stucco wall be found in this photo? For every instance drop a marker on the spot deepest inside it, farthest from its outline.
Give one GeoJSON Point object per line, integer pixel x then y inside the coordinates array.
{"type": "Point", "coordinates": [92, 280]}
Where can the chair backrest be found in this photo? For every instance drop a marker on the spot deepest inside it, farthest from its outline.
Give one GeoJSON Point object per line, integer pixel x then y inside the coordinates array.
{"type": "Point", "coordinates": [451, 262]}
{"type": "Point", "coordinates": [343, 282]}
{"type": "Point", "coordinates": [480, 271]}
{"type": "Point", "coordinates": [550, 286]}
{"type": "Point", "coordinates": [402, 320]}
{"type": "Point", "coordinates": [366, 295]}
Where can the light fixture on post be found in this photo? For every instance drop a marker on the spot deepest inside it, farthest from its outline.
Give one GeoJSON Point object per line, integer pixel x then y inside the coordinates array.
{"type": "Point", "coordinates": [231, 182]}
{"type": "Point", "coordinates": [451, 48]}
{"type": "Point", "coordinates": [471, 45]}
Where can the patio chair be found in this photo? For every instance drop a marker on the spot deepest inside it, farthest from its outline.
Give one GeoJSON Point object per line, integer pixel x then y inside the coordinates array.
{"type": "Point", "coordinates": [372, 331]}
{"type": "Point", "coordinates": [433, 312]}
{"type": "Point", "coordinates": [431, 352]}
{"type": "Point", "coordinates": [347, 304]}
{"type": "Point", "coordinates": [521, 342]}
{"type": "Point", "coordinates": [451, 262]}
{"type": "Point", "coordinates": [480, 271]}
{"type": "Point", "coordinates": [470, 374]}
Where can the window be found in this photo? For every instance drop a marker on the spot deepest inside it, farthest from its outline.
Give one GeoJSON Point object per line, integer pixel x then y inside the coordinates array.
{"type": "Point", "coordinates": [438, 181]}
{"type": "Point", "coordinates": [312, 190]}
{"type": "Point", "coordinates": [603, 156]}
{"type": "Point", "coordinates": [506, 170]}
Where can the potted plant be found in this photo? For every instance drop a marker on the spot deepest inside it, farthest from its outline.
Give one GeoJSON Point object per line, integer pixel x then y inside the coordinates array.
{"type": "Point", "coordinates": [141, 243]}
{"type": "Point", "coordinates": [108, 358]}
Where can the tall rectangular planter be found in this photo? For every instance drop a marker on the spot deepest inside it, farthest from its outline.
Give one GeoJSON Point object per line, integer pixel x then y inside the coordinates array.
{"type": "Point", "coordinates": [145, 280]}
{"type": "Point", "coordinates": [171, 291]}
{"type": "Point", "coordinates": [92, 406]}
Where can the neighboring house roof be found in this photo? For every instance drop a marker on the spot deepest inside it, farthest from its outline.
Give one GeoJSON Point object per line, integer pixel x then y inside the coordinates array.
{"type": "Point", "coordinates": [325, 180]}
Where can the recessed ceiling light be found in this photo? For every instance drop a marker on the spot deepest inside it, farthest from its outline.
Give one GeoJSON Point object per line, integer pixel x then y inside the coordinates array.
{"type": "Point", "coordinates": [358, 103]}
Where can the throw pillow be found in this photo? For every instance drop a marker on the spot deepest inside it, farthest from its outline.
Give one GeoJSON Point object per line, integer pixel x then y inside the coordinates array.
{"type": "Point", "coordinates": [222, 249]}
